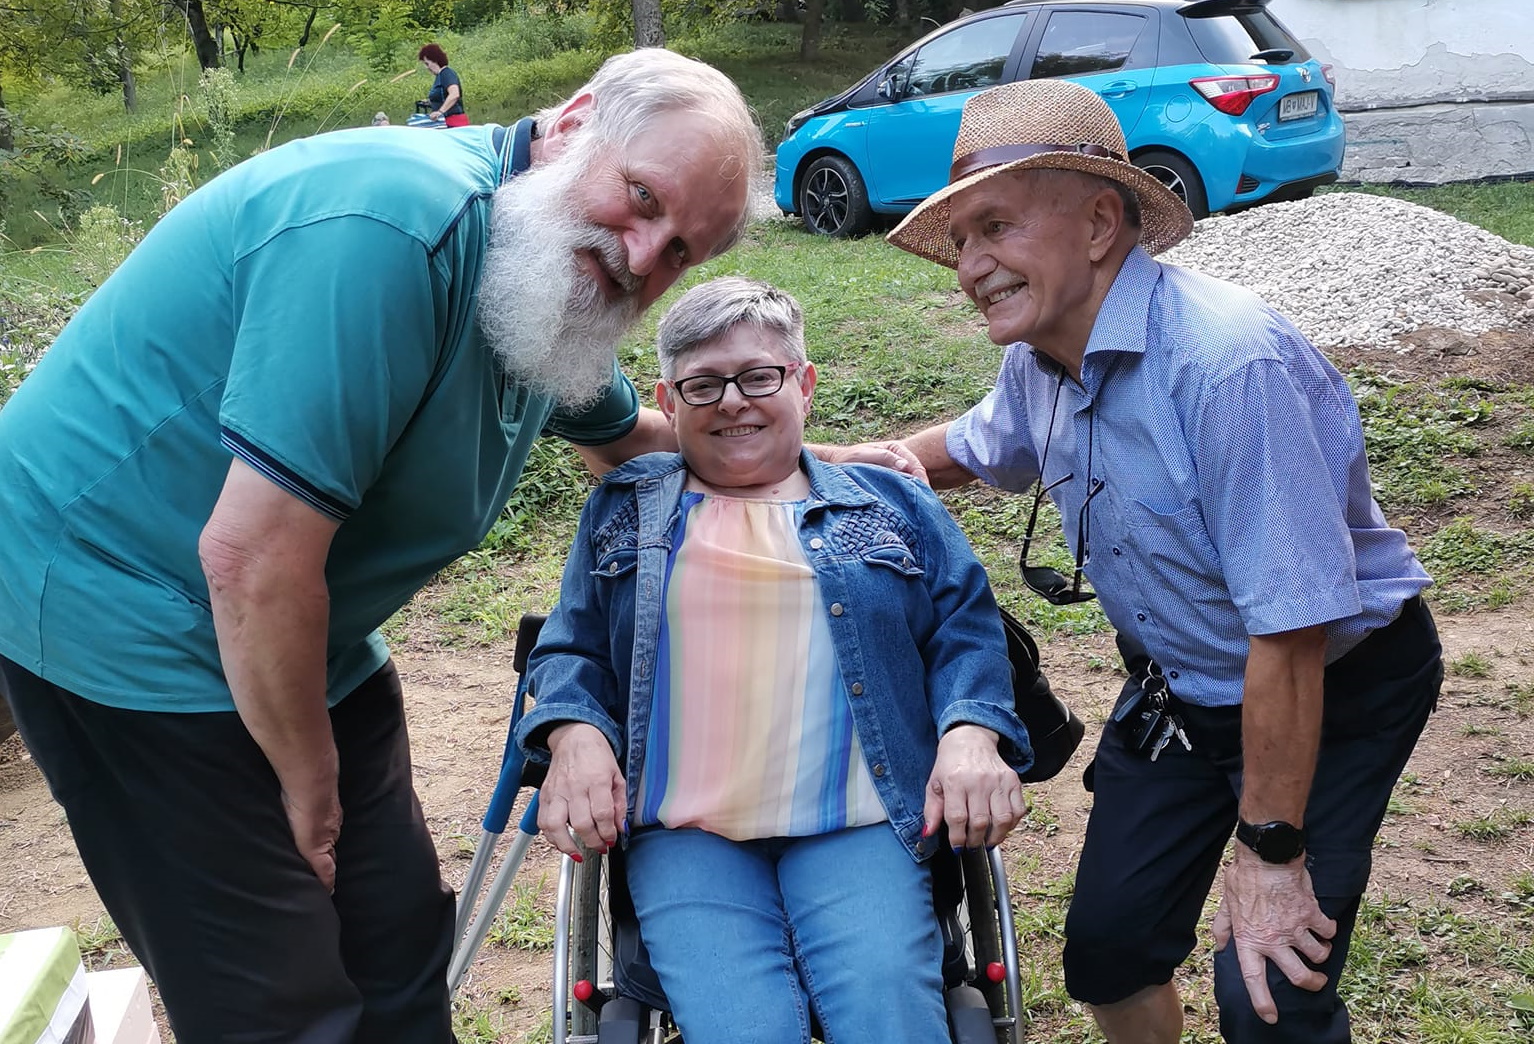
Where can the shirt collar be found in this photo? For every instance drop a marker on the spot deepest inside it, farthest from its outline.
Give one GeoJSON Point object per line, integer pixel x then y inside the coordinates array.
{"type": "Point", "coordinates": [514, 148]}
{"type": "Point", "coordinates": [1120, 326]}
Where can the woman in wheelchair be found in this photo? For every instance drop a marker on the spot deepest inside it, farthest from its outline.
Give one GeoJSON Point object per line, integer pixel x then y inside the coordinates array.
{"type": "Point", "coordinates": [802, 671]}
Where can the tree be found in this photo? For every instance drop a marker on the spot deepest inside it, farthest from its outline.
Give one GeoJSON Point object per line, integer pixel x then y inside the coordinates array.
{"type": "Point", "coordinates": [809, 41]}
{"type": "Point", "coordinates": [197, 25]}
{"type": "Point", "coordinates": [649, 31]}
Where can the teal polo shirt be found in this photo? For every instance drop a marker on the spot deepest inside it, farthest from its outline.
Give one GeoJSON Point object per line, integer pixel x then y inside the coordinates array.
{"type": "Point", "coordinates": [310, 311]}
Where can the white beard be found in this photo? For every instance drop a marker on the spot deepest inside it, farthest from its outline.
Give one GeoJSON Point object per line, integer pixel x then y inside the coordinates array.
{"type": "Point", "coordinates": [546, 319]}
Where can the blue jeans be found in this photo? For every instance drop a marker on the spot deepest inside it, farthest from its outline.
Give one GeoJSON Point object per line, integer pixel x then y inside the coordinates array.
{"type": "Point", "coordinates": [749, 937]}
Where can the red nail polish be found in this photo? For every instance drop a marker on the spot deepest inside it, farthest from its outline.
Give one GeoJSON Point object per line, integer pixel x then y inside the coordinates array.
{"type": "Point", "coordinates": [926, 831]}
{"type": "Point", "coordinates": [576, 856]}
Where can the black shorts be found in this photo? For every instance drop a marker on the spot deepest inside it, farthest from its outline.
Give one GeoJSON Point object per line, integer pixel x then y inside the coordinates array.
{"type": "Point", "coordinates": [1158, 830]}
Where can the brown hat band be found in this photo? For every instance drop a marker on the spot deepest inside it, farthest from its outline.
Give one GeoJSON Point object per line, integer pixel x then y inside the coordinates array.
{"type": "Point", "coordinates": [964, 166]}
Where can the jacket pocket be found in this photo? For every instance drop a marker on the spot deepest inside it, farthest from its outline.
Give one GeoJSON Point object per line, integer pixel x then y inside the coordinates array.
{"type": "Point", "coordinates": [896, 557]}
{"type": "Point", "coordinates": [619, 561]}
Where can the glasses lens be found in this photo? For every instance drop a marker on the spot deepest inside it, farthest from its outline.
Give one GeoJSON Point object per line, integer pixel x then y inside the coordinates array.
{"type": "Point", "coordinates": [763, 380]}
{"type": "Point", "coordinates": [700, 390]}
{"type": "Point", "coordinates": [1046, 582]}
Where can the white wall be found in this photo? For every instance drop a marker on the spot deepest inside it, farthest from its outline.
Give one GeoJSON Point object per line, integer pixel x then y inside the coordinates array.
{"type": "Point", "coordinates": [1433, 90]}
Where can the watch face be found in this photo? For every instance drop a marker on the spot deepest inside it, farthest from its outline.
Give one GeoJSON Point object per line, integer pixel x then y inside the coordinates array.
{"type": "Point", "coordinates": [1276, 842]}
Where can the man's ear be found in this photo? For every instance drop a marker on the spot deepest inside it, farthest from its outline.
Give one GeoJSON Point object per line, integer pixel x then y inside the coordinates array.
{"type": "Point", "coordinates": [1107, 222]}
{"type": "Point", "coordinates": [571, 115]}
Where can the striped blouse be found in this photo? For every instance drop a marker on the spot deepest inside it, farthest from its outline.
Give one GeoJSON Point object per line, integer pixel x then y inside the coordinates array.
{"type": "Point", "coordinates": [752, 733]}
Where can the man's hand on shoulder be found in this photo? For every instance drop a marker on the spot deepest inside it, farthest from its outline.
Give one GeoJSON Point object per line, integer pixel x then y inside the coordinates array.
{"type": "Point", "coordinates": [892, 454]}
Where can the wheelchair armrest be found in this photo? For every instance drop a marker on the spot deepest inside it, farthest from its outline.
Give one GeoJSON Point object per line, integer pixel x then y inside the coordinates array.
{"type": "Point", "coordinates": [528, 629]}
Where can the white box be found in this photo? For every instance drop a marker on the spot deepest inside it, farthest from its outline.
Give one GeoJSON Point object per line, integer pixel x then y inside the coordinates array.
{"type": "Point", "coordinates": [120, 1007]}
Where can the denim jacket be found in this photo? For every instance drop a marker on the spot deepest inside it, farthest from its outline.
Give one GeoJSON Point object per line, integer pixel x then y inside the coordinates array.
{"type": "Point", "coordinates": [912, 618]}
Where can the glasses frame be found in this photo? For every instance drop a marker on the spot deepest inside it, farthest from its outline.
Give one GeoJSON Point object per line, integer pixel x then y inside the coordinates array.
{"type": "Point", "coordinates": [782, 370]}
{"type": "Point", "coordinates": [1046, 581]}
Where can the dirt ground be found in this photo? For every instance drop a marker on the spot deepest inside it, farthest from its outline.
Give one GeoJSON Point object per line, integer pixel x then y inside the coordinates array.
{"type": "Point", "coordinates": [458, 702]}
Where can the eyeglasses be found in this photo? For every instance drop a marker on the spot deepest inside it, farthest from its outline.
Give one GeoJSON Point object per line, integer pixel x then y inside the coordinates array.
{"type": "Point", "coordinates": [704, 389]}
{"type": "Point", "coordinates": [1046, 581]}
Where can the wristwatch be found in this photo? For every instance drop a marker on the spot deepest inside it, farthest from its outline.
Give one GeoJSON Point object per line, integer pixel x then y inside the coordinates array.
{"type": "Point", "coordinates": [1275, 842]}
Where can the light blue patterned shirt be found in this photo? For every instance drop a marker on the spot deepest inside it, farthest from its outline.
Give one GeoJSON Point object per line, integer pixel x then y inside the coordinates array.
{"type": "Point", "coordinates": [1237, 498]}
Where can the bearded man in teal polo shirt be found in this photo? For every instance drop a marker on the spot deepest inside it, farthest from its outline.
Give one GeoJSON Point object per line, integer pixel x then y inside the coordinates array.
{"type": "Point", "coordinates": [313, 385]}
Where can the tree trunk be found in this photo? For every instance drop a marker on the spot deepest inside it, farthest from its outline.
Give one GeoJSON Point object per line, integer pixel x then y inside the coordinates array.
{"type": "Point", "coordinates": [7, 136]}
{"type": "Point", "coordinates": [303, 41]}
{"type": "Point", "coordinates": [202, 39]}
{"type": "Point", "coordinates": [809, 43]}
{"type": "Point", "coordinates": [648, 30]}
{"type": "Point", "coordinates": [124, 60]}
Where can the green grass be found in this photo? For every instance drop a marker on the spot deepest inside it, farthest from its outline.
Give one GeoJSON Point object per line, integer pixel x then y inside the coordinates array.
{"type": "Point", "coordinates": [1519, 770]}
{"type": "Point", "coordinates": [1506, 208]}
{"type": "Point", "coordinates": [524, 923]}
{"type": "Point", "coordinates": [1471, 665]}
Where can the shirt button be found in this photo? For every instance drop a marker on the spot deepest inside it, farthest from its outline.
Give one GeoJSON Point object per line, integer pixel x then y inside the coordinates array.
{"type": "Point", "coordinates": [817, 544]}
{"type": "Point", "coordinates": [879, 771]}
{"type": "Point", "coordinates": [1173, 674]}
{"type": "Point", "coordinates": [1140, 617]}
{"type": "Point", "coordinates": [857, 688]}
{"type": "Point", "coordinates": [836, 609]}
{"type": "Point", "coordinates": [1117, 551]}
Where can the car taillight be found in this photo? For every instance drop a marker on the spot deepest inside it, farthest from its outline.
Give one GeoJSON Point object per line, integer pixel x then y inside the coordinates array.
{"type": "Point", "coordinates": [1329, 75]}
{"type": "Point", "coordinates": [1232, 94]}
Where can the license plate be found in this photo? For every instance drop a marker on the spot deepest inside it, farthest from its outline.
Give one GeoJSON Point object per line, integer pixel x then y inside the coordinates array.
{"type": "Point", "coordinates": [1298, 106]}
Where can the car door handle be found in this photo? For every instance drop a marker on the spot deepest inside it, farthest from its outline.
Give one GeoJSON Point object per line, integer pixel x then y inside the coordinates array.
{"type": "Point", "coordinates": [1119, 89]}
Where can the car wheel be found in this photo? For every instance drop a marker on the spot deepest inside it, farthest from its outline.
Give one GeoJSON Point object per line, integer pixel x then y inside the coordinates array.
{"type": "Point", "coordinates": [833, 198]}
{"type": "Point", "coordinates": [1178, 175]}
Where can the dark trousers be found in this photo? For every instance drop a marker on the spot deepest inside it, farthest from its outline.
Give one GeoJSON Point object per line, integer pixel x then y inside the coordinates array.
{"type": "Point", "coordinates": [179, 820]}
{"type": "Point", "coordinates": [1158, 830]}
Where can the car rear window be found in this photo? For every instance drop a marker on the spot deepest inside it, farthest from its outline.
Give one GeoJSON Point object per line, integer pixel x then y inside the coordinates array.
{"type": "Point", "coordinates": [1232, 39]}
{"type": "Point", "coordinates": [1079, 42]}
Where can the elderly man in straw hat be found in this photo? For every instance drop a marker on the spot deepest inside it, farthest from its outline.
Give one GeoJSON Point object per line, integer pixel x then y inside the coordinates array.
{"type": "Point", "coordinates": [1281, 661]}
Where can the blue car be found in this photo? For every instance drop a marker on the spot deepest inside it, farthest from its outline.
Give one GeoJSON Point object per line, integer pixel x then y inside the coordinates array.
{"type": "Point", "coordinates": [1217, 99]}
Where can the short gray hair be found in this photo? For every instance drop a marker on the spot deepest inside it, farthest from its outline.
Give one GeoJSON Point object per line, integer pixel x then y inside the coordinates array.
{"type": "Point", "coordinates": [711, 310]}
{"type": "Point", "coordinates": [1087, 184]}
{"type": "Point", "coordinates": [632, 89]}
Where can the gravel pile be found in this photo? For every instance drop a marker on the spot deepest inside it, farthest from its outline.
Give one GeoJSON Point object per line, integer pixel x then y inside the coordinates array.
{"type": "Point", "coordinates": [1352, 269]}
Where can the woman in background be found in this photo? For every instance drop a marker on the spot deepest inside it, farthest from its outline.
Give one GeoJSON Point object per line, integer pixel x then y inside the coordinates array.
{"type": "Point", "coordinates": [446, 97]}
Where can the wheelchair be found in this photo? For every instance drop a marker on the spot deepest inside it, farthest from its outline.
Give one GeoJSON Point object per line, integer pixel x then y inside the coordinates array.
{"type": "Point", "coordinates": [604, 989]}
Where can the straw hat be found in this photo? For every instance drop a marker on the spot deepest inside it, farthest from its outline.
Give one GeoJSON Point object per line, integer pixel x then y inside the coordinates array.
{"type": "Point", "coordinates": [1032, 125]}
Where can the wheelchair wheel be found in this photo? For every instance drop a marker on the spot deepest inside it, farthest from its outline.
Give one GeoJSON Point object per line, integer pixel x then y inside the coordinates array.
{"type": "Point", "coordinates": [993, 940]}
{"type": "Point", "coordinates": [584, 953]}
{"type": "Point", "coordinates": [582, 947]}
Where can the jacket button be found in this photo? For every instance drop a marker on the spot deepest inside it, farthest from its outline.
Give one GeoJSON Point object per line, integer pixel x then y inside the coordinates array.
{"type": "Point", "coordinates": [879, 771]}
{"type": "Point", "coordinates": [612, 567]}
{"type": "Point", "coordinates": [817, 544]}
{"type": "Point", "coordinates": [906, 562]}
{"type": "Point", "coordinates": [857, 688]}
{"type": "Point", "coordinates": [836, 609]}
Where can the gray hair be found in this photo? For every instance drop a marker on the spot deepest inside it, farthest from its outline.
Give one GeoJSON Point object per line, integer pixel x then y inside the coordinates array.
{"type": "Point", "coordinates": [633, 89]}
{"type": "Point", "coordinates": [711, 310]}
